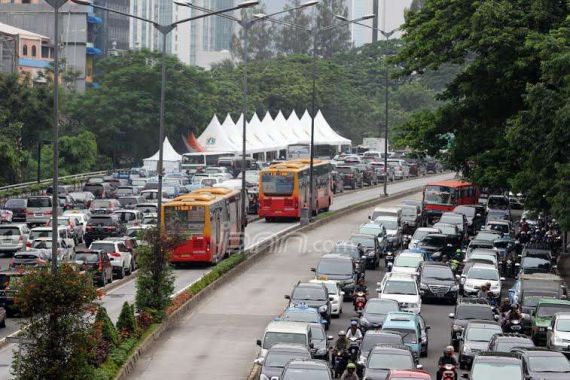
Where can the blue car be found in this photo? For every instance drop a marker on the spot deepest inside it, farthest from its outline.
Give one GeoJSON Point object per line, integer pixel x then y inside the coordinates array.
{"type": "Point", "coordinates": [425, 254]}
{"type": "Point", "coordinates": [408, 325]}
{"type": "Point", "coordinates": [302, 313]}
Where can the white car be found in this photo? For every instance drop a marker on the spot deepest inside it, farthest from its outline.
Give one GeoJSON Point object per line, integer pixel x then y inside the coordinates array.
{"type": "Point", "coordinates": [149, 220]}
{"type": "Point", "coordinates": [558, 333]}
{"type": "Point", "coordinates": [44, 244]}
{"type": "Point", "coordinates": [402, 288]}
{"type": "Point", "coordinates": [406, 263]}
{"type": "Point", "coordinates": [393, 229]}
{"type": "Point", "coordinates": [45, 232]}
{"type": "Point", "coordinates": [121, 258]}
{"type": "Point", "coordinates": [335, 293]}
{"type": "Point", "coordinates": [480, 274]}
{"type": "Point", "coordinates": [80, 217]}
{"type": "Point", "coordinates": [419, 235]}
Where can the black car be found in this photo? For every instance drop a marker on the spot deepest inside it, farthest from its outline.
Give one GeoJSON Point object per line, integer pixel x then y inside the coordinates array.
{"type": "Point", "coordinates": [355, 252]}
{"type": "Point", "coordinates": [433, 243]}
{"type": "Point", "coordinates": [465, 311]}
{"type": "Point", "coordinates": [338, 268]}
{"type": "Point", "coordinates": [369, 247]}
{"type": "Point", "coordinates": [496, 365]}
{"type": "Point", "coordinates": [368, 174]}
{"type": "Point", "coordinates": [352, 177]}
{"type": "Point", "coordinates": [278, 356]}
{"type": "Point", "coordinates": [384, 358]}
{"type": "Point", "coordinates": [437, 282]}
{"type": "Point", "coordinates": [541, 364]}
{"type": "Point", "coordinates": [475, 339]}
{"type": "Point", "coordinates": [9, 281]}
{"type": "Point", "coordinates": [373, 338]}
{"type": "Point", "coordinates": [320, 341]}
{"type": "Point", "coordinates": [102, 226]}
{"type": "Point", "coordinates": [97, 263]}
{"type": "Point", "coordinates": [18, 208]}
{"type": "Point", "coordinates": [506, 342]}
{"type": "Point", "coordinates": [375, 312]}
{"type": "Point", "coordinates": [314, 295]}
{"type": "Point", "coordinates": [337, 182]}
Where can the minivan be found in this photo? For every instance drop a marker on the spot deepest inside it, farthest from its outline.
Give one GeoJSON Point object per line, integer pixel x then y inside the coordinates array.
{"type": "Point", "coordinates": [39, 210]}
{"type": "Point", "coordinates": [284, 332]}
{"type": "Point", "coordinates": [408, 325]}
{"type": "Point", "coordinates": [338, 268]}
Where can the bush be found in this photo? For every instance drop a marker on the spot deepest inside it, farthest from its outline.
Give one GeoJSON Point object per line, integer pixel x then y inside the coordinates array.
{"type": "Point", "coordinates": [108, 331]}
{"type": "Point", "coordinates": [59, 309]}
{"type": "Point", "coordinates": [127, 325]}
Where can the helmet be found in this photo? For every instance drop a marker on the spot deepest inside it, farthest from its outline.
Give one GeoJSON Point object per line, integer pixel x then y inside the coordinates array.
{"type": "Point", "coordinates": [458, 250]}
{"type": "Point", "coordinates": [449, 350]}
{"type": "Point", "coordinates": [351, 366]}
{"type": "Point", "coordinates": [354, 323]}
{"type": "Point", "coordinates": [342, 333]}
{"type": "Point", "coordinates": [514, 306]}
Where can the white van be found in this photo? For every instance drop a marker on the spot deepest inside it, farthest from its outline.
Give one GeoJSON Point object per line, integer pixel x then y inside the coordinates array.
{"type": "Point", "coordinates": [395, 212]}
{"type": "Point", "coordinates": [284, 332]}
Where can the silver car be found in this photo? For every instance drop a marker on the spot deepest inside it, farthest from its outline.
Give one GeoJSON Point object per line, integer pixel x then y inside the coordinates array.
{"type": "Point", "coordinates": [39, 210]}
{"type": "Point", "coordinates": [13, 237]}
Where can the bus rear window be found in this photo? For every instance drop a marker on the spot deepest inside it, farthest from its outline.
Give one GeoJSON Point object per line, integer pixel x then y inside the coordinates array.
{"type": "Point", "coordinates": [277, 184]}
{"type": "Point", "coordinates": [441, 195]}
{"type": "Point", "coordinates": [193, 160]}
{"type": "Point", "coordinates": [187, 220]}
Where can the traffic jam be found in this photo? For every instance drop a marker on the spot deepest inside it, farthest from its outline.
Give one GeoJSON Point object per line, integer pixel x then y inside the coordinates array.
{"type": "Point", "coordinates": [457, 247]}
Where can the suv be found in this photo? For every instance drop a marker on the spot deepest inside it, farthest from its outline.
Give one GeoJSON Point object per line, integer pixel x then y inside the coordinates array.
{"type": "Point", "coordinates": [539, 363]}
{"type": "Point", "coordinates": [103, 226]}
{"type": "Point", "coordinates": [18, 208]}
{"type": "Point", "coordinates": [542, 317]}
{"type": "Point", "coordinates": [97, 263]}
{"type": "Point", "coordinates": [352, 177]}
{"type": "Point", "coordinates": [120, 257]}
{"type": "Point", "coordinates": [558, 333]}
{"type": "Point", "coordinates": [465, 311]}
{"type": "Point", "coordinates": [337, 268]}
{"type": "Point", "coordinates": [39, 210]}
{"type": "Point", "coordinates": [107, 206]}
{"type": "Point", "coordinates": [278, 356]}
{"type": "Point", "coordinates": [312, 295]}
{"type": "Point", "coordinates": [489, 365]}
{"type": "Point", "coordinates": [45, 232]}
{"type": "Point", "coordinates": [370, 247]}
{"type": "Point", "coordinates": [437, 282]}
{"type": "Point", "coordinates": [402, 288]}
{"type": "Point", "coordinates": [13, 237]}
{"type": "Point", "coordinates": [129, 217]}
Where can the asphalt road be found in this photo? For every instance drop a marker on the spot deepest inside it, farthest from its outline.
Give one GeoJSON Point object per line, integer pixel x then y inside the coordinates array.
{"type": "Point", "coordinates": [218, 339]}
{"type": "Point", "coordinates": [255, 232]}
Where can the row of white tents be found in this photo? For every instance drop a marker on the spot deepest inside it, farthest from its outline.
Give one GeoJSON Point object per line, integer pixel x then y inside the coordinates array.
{"type": "Point", "coordinates": [269, 134]}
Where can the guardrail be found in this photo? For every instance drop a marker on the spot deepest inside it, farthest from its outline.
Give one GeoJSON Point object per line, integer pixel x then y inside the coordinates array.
{"type": "Point", "coordinates": [31, 187]}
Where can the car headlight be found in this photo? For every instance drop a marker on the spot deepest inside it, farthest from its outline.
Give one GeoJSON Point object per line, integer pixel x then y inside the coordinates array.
{"type": "Point", "coordinates": [323, 309]}
{"type": "Point", "coordinates": [456, 328]}
{"type": "Point", "coordinates": [371, 253]}
{"type": "Point", "coordinates": [466, 349]}
{"type": "Point", "coordinates": [542, 329]}
{"type": "Point", "coordinates": [424, 286]}
{"type": "Point", "coordinates": [454, 288]}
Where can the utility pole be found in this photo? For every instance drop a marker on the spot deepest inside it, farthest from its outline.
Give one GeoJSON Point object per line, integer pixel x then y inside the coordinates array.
{"type": "Point", "coordinates": [375, 21]}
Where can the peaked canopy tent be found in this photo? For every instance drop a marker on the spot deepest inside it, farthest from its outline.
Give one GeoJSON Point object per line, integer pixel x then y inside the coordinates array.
{"type": "Point", "coordinates": [170, 158]}
{"type": "Point", "coordinates": [215, 139]}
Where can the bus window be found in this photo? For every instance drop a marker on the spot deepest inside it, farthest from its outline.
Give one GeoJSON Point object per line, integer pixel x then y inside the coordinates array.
{"type": "Point", "coordinates": [184, 220]}
{"type": "Point", "coordinates": [277, 183]}
{"type": "Point", "coordinates": [193, 159]}
{"type": "Point", "coordinates": [438, 195]}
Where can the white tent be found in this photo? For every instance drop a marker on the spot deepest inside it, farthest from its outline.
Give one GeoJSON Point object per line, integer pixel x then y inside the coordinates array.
{"type": "Point", "coordinates": [329, 135]}
{"type": "Point", "coordinates": [215, 139]}
{"type": "Point", "coordinates": [170, 158]}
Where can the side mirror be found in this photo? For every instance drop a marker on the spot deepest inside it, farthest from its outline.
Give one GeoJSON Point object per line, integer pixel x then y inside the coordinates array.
{"type": "Point", "coordinates": [258, 361]}
{"type": "Point", "coordinates": [331, 299]}
{"type": "Point", "coordinates": [330, 337]}
{"type": "Point", "coordinates": [287, 297]}
{"type": "Point", "coordinates": [369, 217]}
{"type": "Point", "coordinates": [419, 366]}
{"type": "Point", "coordinates": [342, 294]}
{"type": "Point", "coordinates": [451, 315]}
{"type": "Point", "coordinates": [258, 342]}
{"type": "Point", "coordinates": [428, 327]}
{"type": "Point", "coordinates": [549, 328]}
{"type": "Point", "coordinates": [503, 279]}
{"type": "Point", "coordinates": [313, 269]}
{"type": "Point", "coordinates": [497, 317]}
{"type": "Point", "coordinates": [311, 345]}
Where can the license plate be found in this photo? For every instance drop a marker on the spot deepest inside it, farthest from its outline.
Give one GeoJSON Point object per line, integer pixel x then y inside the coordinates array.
{"type": "Point", "coordinates": [515, 328]}
{"type": "Point", "coordinates": [40, 214]}
{"type": "Point", "coordinates": [8, 241]}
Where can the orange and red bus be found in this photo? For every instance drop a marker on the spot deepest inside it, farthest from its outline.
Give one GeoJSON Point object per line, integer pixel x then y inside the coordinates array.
{"type": "Point", "coordinates": [442, 196]}
{"type": "Point", "coordinates": [284, 188]}
{"type": "Point", "coordinates": [208, 221]}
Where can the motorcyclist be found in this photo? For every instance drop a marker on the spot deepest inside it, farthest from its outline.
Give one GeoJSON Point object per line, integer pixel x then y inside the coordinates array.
{"type": "Point", "coordinates": [482, 293]}
{"type": "Point", "coordinates": [505, 306]}
{"type": "Point", "coordinates": [524, 225]}
{"type": "Point", "coordinates": [354, 331]}
{"type": "Point", "coordinates": [447, 358]}
{"type": "Point", "coordinates": [340, 345]}
{"type": "Point", "coordinates": [513, 314]}
{"type": "Point", "coordinates": [360, 287]}
{"type": "Point", "coordinates": [350, 372]}
{"type": "Point", "coordinates": [456, 260]}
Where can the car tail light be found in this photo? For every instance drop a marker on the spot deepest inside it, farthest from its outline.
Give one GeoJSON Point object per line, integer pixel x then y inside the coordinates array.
{"type": "Point", "coordinates": [89, 227]}
{"type": "Point", "coordinates": [110, 228]}
{"type": "Point", "coordinates": [47, 212]}
{"type": "Point", "coordinates": [29, 213]}
{"type": "Point", "coordinates": [115, 254]}
{"type": "Point", "coordinates": [28, 244]}
{"type": "Point", "coordinates": [21, 238]}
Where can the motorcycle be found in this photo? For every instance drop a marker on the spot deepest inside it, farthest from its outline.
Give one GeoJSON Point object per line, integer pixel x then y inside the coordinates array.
{"type": "Point", "coordinates": [448, 372]}
{"type": "Point", "coordinates": [353, 349]}
{"type": "Point", "coordinates": [340, 363]}
{"type": "Point", "coordinates": [513, 326]}
{"type": "Point", "coordinates": [359, 302]}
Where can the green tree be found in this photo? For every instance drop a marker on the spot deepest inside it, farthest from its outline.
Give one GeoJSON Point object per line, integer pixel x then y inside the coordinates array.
{"type": "Point", "coordinates": [127, 324]}
{"type": "Point", "coordinates": [292, 40]}
{"type": "Point", "coordinates": [77, 154]}
{"type": "Point", "coordinates": [58, 310]}
{"type": "Point", "coordinates": [260, 38]}
{"type": "Point", "coordinates": [337, 39]}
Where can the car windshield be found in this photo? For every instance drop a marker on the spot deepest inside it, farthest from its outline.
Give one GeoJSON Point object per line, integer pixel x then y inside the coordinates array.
{"type": "Point", "coordinates": [484, 371]}
{"type": "Point", "coordinates": [400, 287]}
{"type": "Point", "coordinates": [481, 334]}
{"type": "Point", "coordinates": [370, 340]}
{"type": "Point", "coordinates": [335, 267]}
{"type": "Point", "coordinates": [389, 361]}
{"type": "Point", "coordinates": [548, 310]}
{"type": "Point", "coordinates": [15, 203]}
{"type": "Point", "coordinates": [563, 325]}
{"type": "Point", "coordinates": [300, 316]}
{"type": "Point", "coordinates": [446, 229]}
{"type": "Point", "coordinates": [450, 219]}
{"type": "Point", "coordinates": [483, 274]}
{"type": "Point", "coordinates": [306, 374]}
{"type": "Point", "coordinates": [351, 252]}
{"type": "Point", "coordinates": [532, 301]}
{"type": "Point", "coordinates": [419, 234]}
{"type": "Point", "coordinates": [279, 359]}
{"type": "Point", "coordinates": [548, 364]}
{"type": "Point", "coordinates": [317, 332]}
{"type": "Point", "coordinates": [408, 335]}
{"type": "Point", "coordinates": [435, 241]}
{"type": "Point", "coordinates": [438, 195]}
{"type": "Point", "coordinates": [408, 261]}
{"type": "Point", "coordinates": [42, 244]}
{"type": "Point", "coordinates": [272, 338]}
{"type": "Point", "coordinates": [506, 345]}
{"type": "Point", "coordinates": [102, 246]}
{"type": "Point", "coordinates": [185, 220]}
{"type": "Point", "coordinates": [87, 257]}
{"type": "Point", "coordinates": [441, 273]}
{"type": "Point", "coordinates": [100, 203]}
{"type": "Point", "coordinates": [138, 182]}
{"type": "Point", "coordinates": [331, 287]}
{"type": "Point", "coordinates": [309, 293]}
{"type": "Point", "coordinates": [474, 312]}
{"type": "Point", "coordinates": [9, 231]}
{"type": "Point", "coordinates": [501, 203]}
{"type": "Point", "coordinates": [370, 230]}
{"type": "Point", "coordinates": [364, 241]}
{"type": "Point", "coordinates": [388, 224]}
{"type": "Point", "coordinates": [467, 211]}
{"type": "Point", "coordinates": [486, 236]}
{"type": "Point", "coordinates": [498, 227]}
{"type": "Point", "coordinates": [125, 201]}
{"type": "Point", "coordinates": [39, 202]}
{"type": "Point", "coordinates": [381, 308]}
{"type": "Point", "coordinates": [149, 220]}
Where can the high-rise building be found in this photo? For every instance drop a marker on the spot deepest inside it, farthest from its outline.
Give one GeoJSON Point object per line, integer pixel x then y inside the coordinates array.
{"type": "Point", "coordinates": [113, 34]}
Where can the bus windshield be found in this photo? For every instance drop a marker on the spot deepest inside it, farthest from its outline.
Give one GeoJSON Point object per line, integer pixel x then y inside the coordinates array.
{"type": "Point", "coordinates": [277, 183]}
{"type": "Point", "coordinates": [193, 159]}
{"type": "Point", "coordinates": [440, 195]}
{"type": "Point", "coordinates": [184, 220]}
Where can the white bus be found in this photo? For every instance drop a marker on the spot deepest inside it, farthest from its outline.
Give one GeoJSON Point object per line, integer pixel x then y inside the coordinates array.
{"type": "Point", "coordinates": [195, 160]}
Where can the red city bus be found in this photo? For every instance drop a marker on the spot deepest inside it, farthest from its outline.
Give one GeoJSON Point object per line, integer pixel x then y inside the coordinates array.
{"type": "Point", "coordinates": [284, 188]}
{"type": "Point", "coordinates": [442, 196]}
{"type": "Point", "coordinates": [209, 223]}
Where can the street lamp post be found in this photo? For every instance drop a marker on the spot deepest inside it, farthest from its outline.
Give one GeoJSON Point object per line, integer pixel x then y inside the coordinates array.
{"type": "Point", "coordinates": [386, 35]}
{"type": "Point", "coordinates": [164, 30]}
{"type": "Point", "coordinates": [246, 23]}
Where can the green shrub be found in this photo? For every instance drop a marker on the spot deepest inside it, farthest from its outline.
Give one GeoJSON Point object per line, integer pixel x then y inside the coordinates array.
{"type": "Point", "coordinates": [127, 324]}
{"type": "Point", "coordinates": [108, 331]}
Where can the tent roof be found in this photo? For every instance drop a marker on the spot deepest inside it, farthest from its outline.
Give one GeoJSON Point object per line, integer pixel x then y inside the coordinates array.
{"type": "Point", "coordinates": [168, 153]}
{"type": "Point", "coordinates": [215, 139]}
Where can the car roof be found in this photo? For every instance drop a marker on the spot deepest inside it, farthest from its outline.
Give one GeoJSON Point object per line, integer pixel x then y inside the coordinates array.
{"type": "Point", "coordinates": [307, 364]}
{"type": "Point", "coordinates": [554, 301]}
{"type": "Point", "coordinates": [336, 256]}
{"type": "Point", "coordinates": [562, 315]}
{"type": "Point", "coordinates": [287, 327]}
{"type": "Point", "coordinates": [489, 356]}
{"type": "Point", "coordinates": [397, 349]}
{"type": "Point", "coordinates": [309, 285]}
{"type": "Point", "coordinates": [318, 281]}
{"type": "Point", "coordinates": [410, 373]}
{"type": "Point", "coordinates": [511, 336]}
{"type": "Point", "coordinates": [401, 276]}
{"type": "Point", "coordinates": [482, 323]}
{"type": "Point", "coordinates": [288, 347]}
{"type": "Point", "coordinates": [399, 318]}
{"type": "Point", "coordinates": [485, 266]}
{"type": "Point", "coordinates": [536, 351]}
{"type": "Point", "coordinates": [435, 264]}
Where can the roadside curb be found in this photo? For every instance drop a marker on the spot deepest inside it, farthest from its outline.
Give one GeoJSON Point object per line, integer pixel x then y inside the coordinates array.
{"type": "Point", "coordinates": [253, 255]}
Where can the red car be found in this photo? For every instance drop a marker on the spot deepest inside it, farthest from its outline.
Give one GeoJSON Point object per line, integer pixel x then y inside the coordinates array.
{"type": "Point", "coordinates": [409, 375]}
